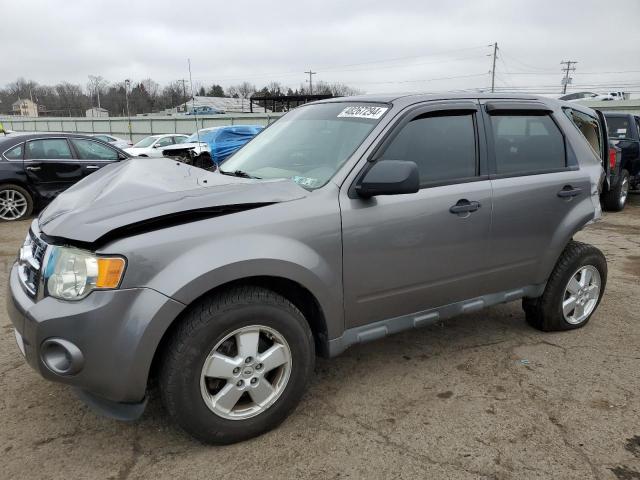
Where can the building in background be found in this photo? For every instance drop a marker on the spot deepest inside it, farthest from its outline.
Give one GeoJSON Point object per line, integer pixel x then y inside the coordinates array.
{"type": "Point", "coordinates": [97, 112]}
{"type": "Point", "coordinates": [24, 108]}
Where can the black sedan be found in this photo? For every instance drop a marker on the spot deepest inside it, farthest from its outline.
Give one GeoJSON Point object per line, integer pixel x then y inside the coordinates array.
{"type": "Point", "coordinates": [36, 167]}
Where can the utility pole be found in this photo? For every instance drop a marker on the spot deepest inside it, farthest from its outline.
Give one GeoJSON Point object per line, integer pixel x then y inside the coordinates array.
{"type": "Point", "coordinates": [493, 69]}
{"type": "Point", "coordinates": [184, 89]}
{"type": "Point", "coordinates": [127, 83]}
{"type": "Point", "coordinates": [567, 79]}
{"type": "Point", "coordinates": [311, 74]}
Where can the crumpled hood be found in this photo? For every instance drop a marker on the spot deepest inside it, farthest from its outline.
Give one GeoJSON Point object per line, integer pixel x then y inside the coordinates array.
{"type": "Point", "coordinates": [136, 190]}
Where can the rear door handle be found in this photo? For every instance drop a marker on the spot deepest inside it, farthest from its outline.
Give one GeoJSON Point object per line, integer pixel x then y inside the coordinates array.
{"type": "Point", "coordinates": [92, 167]}
{"type": "Point", "coordinates": [465, 206]}
{"type": "Point", "coordinates": [569, 191]}
{"type": "Point", "coordinates": [34, 169]}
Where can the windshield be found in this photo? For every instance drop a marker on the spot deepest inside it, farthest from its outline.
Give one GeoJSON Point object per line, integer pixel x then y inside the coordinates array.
{"type": "Point", "coordinates": [309, 144]}
{"type": "Point", "coordinates": [618, 127]}
{"type": "Point", "coordinates": [204, 135]}
{"type": "Point", "coordinates": [145, 142]}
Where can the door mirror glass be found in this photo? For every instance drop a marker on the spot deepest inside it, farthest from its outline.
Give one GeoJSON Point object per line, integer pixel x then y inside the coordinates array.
{"type": "Point", "coordinates": [389, 177]}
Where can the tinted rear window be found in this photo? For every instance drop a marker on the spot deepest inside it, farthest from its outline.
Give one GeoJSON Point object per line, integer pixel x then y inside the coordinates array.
{"type": "Point", "coordinates": [619, 127]}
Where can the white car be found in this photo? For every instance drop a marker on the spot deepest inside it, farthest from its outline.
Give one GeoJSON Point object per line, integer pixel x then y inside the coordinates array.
{"type": "Point", "coordinates": [152, 146]}
{"type": "Point", "coordinates": [121, 143]}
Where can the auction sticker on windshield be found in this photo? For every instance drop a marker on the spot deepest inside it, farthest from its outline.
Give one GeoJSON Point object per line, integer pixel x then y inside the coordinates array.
{"type": "Point", "coordinates": [363, 111]}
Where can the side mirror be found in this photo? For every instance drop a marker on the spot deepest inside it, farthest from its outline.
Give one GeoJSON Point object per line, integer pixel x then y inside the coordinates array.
{"type": "Point", "coordinates": [389, 177]}
{"type": "Point", "coordinates": [156, 146]}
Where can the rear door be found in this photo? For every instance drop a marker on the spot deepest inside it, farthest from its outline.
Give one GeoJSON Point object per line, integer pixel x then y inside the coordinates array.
{"type": "Point", "coordinates": [536, 184]}
{"type": "Point", "coordinates": [51, 166]}
{"type": "Point", "coordinates": [93, 155]}
{"type": "Point", "coordinates": [408, 253]}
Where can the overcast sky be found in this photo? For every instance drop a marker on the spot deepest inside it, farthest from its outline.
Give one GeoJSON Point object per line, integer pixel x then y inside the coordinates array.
{"type": "Point", "coordinates": [381, 46]}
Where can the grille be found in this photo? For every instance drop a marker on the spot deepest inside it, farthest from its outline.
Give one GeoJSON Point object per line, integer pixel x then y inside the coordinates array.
{"type": "Point", "coordinates": [30, 262]}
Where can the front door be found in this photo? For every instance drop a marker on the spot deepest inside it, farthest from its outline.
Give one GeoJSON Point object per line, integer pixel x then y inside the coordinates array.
{"type": "Point", "coordinates": [50, 166]}
{"type": "Point", "coordinates": [407, 253]}
{"type": "Point", "coordinates": [93, 155]}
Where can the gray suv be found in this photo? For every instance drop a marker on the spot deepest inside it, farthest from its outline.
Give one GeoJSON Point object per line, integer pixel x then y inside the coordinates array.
{"type": "Point", "coordinates": [345, 221]}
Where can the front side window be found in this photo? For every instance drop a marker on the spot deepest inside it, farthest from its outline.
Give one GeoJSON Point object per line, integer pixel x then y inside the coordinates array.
{"type": "Point", "coordinates": [308, 144]}
{"type": "Point", "coordinates": [588, 126]}
{"type": "Point", "coordinates": [15, 153]}
{"type": "Point", "coordinates": [144, 143]}
{"type": "Point", "coordinates": [443, 147]}
{"type": "Point", "coordinates": [163, 142]}
{"type": "Point", "coordinates": [51, 148]}
{"type": "Point", "coordinates": [526, 144]}
{"type": "Point", "coordinates": [90, 150]}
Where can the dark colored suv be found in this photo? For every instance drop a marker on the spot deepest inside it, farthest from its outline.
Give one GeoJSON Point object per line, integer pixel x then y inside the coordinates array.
{"type": "Point", "coordinates": [624, 132]}
{"type": "Point", "coordinates": [36, 167]}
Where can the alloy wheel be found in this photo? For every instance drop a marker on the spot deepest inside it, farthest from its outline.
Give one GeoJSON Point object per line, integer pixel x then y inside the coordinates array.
{"type": "Point", "coordinates": [246, 372]}
{"type": "Point", "coordinates": [13, 204]}
{"type": "Point", "coordinates": [624, 191]}
{"type": "Point", "coordinates": [581, 294]}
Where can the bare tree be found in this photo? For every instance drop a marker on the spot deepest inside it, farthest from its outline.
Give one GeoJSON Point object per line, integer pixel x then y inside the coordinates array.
{"type": "Point", "coordinates": [96, 86]}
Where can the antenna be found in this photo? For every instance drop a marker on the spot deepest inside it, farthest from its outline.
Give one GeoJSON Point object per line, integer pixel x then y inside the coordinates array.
{"type": "Point", "coordinates": [193, 102]}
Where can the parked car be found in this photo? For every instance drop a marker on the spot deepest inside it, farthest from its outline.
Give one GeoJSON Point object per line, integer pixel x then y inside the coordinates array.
{"type": "Point", "coordinates": [609, 96]}
{"type": "Point", "coordinates": [345, 221]}
{"type": "Point", "coordinates": [208, 147]}
{"type": "Point", "coordinates": [36, 167]}
{"type": "Point", "coordinates": [624, 132]}
{"type": "Point", "coordinates": [121, 143]}
{"type": "Point", "coordinates": [204, 110]}
{"type": "Point", "coordinates": [152, 146]}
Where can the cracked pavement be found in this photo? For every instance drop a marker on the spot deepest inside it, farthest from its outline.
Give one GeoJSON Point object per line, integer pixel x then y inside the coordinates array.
{"type": "Point", "coordinates": [479, 396]}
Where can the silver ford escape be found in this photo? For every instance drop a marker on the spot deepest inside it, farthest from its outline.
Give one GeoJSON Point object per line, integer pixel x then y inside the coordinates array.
{"type": "Point", "coordinates": [345, 221]}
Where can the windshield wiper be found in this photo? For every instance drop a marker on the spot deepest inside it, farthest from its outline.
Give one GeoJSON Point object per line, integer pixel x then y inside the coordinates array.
{"type": "Point", "coordinates": [238, 173]}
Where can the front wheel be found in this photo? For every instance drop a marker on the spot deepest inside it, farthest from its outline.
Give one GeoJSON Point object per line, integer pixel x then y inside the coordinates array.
{"type": "Point", "coordinates": [237, 365]}
{"type": "Point", "coordinates": [573, 291]}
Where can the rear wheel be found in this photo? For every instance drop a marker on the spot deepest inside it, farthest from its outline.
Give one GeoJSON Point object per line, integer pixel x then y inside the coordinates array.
{"type": "Point", "coordinates": [573, 291]}
{"type": "Point", "coordinates": [616, 198]}
{"type": "Point", "coordinates": [16, 203]}
{"type": "Point", "coordinates": [237, 365]}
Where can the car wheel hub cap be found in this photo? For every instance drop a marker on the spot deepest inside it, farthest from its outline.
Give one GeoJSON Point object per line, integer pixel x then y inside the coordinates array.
{"type": "Point", "coordinates": [246, 372]}
{"type": "Point", "coordinates": [13, 204]}
{"type": "Point", "coordinates": [581, 294]}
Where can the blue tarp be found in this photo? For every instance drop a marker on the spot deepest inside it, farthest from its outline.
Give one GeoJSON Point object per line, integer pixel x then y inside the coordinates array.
{"type": "Point", "coordinates": [223, 141]}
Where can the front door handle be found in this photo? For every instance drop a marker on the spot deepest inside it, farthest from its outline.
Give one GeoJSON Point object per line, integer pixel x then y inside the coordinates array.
{"type": "Point", "coordinates": [569, 191]}
{"type": "Point", "coordinates": [92, 167]}
{"type": "Point", "coordinates": [465, 206]}
{"type": "Point", "coordinates": [34, 169]}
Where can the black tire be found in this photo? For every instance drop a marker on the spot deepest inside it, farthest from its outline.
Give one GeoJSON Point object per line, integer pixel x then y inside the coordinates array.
{"type": "Point", "coordinates": [545, 312]}
{"type": "Point", "coordinates": [28, 211]}
{"type": "Point", "coordinates": [616, 198]}
{"type": "Point", "coordinates": [205, 324]}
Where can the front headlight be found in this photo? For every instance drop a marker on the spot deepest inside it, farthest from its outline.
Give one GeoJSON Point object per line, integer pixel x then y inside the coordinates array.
{"type": "Point", "coordinates": [71, 273]}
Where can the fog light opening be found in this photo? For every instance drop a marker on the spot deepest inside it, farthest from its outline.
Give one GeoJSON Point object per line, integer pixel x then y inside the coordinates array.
{"type": "Point", "coordinates": [61, 356]}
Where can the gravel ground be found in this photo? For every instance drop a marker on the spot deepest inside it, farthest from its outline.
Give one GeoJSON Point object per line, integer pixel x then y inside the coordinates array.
{"type": "Point", "coordinates": [479, 396]}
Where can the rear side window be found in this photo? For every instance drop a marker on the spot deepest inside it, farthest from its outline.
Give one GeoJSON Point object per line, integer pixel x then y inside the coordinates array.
{"type": "Point", "coordinates": [15, 153]}
{"type": "Point", "coordinates": [588, 126]}
{"type": "Point", "coordinates": [443, 147]}
{"type": "Point", "coordinates": [527, 144]}
{"type": "Point", "coordinates": [50, 149]}
{"type": "Point", "coordinates": [90, 150]}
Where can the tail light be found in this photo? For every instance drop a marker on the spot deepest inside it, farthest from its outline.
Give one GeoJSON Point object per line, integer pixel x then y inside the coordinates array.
{"type": "Point", "coordinates": [612, 158]}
